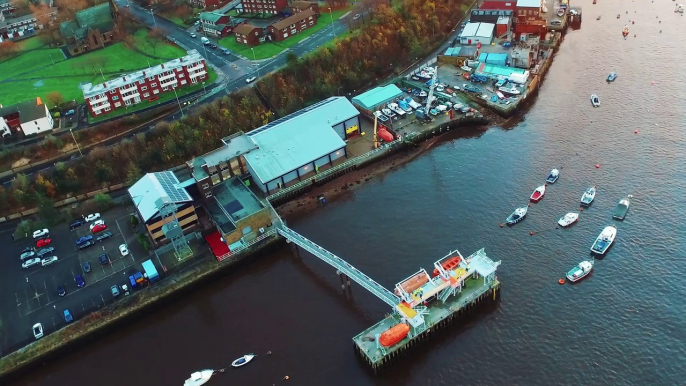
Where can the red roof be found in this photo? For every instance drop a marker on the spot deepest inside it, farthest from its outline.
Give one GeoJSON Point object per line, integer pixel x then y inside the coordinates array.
{"type": "Point", "coordinates": [510, 5]}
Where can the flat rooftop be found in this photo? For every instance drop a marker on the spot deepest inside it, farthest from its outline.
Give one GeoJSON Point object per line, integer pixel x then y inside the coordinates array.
{"type": "Point", "coordinates": [236, 200]}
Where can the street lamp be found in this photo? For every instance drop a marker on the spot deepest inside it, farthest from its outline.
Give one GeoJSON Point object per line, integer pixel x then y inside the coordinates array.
{"type": "Point", "coordinates": [177, 101]}
{"type": "Point", "coordinates": [204, 88]}
{"type": "Point", "coordinates": [153, 17]}
{"type": "Point", "coordinates": [78, 147]}
{"type": "Point", "coordinates": [255, 59]}
{"type": "Point", "coordinates": [333, 27]}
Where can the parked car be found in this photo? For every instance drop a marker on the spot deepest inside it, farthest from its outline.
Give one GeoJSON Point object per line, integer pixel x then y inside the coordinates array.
{"type": "Point", "coordinates": [91, 217]}
{"type": "Point", "coordinates": [104, 235]}
{"type": "Point", "coordinates": [99, 228]}
{"type": "Point", "coordinates": [226, 51]}
{"type": "Point", "coordinates": [43, 242]}
{"type": "Point", "coordinates": [123, 250]}
{"type": "Point", "coordinates": [115, 290]}
{"type": "Point", "coordinates": [193, 35]}
{"type": "Point", "coordinates": [27, 255]}
{"type": "Point", "coordinates": [83, 240]}
{"type": "Point", "coordinates": [99, 222]}
{"type": "Point", "coordinates": [104, 259]}
{"type": "Point", "coordinates": [30, 262]}
{"type": "Point", "coordinates": [48, 260]}
{"type": "Point", "coordinates": [250, 79]}
{"type": "Point", "coordinates": [37, 330]}
{"type": "Point", "coordinates": [67, 316]}
{"type": "Point", "coordinates": [40, 233]}
{"type": "Point", "coordinates": [556, 22]}
{"type": "Point", "coordinates": [79, 281]}
{"type": "Point", "coordinates": [86, 265]}
{"type": "Point", "coordinates": [153, 99]}
{"type": "Point", "coordinates": [86, 245]}
{"type": "Point", "coordinates": [357, 16]}
{"type": "Point", "coordinates": [61, 291]}
{"type": "Point", "coordinates": [213, 46]}
{"type": "Point", "coordinates": [27, 249]}
{"type": "Point", "coordinates": [76, 223]}
{"type": "Point", "coordinates": [45, 251]}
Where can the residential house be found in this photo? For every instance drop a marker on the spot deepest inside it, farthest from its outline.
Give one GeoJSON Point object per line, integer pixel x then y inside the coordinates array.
{"type": "Point", "coordinates": [292, 25]}
{"type": "Point", "coordinates": [29, 117]}
{"type": "Point", "coordinates": [15, 27]}
{"type": "Point", "coordinates": [249, 34]}
{"type": "Point", "coordinates": [273, 7]}
{"type": "Point", "coordinates": [299, 6]}
{"type": "Point", "coordinates": [6, 6]}
{"type": "Point", "coordinates": [217, 24]}
{"type": "Point", "coordinates": [91, 28]}
{"type": "Point", "coordinates": [143, 85]}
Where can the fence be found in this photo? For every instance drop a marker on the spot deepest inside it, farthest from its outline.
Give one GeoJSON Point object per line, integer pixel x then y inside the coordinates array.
{"type": "Point", "coordinates": [256, 240]}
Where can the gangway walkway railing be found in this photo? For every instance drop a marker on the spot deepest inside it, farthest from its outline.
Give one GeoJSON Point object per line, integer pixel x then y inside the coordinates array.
{"type": "Point", "coordinates": [353, 273]}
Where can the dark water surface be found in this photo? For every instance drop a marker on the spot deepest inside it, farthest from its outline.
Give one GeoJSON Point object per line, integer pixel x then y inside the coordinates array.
{"type": "Point", "coordinates": [623, 325]}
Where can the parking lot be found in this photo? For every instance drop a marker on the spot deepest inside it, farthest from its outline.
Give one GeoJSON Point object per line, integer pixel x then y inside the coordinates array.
{"type": "Point", "coordinates": [30, 295]}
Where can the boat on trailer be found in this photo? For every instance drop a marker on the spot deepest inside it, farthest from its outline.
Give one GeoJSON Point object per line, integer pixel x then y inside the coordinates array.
{"type": "Point", "coordinates": [201, 377]}
{"type": "Point", "coordinates": [621, 209]}
{"type": "Point", "coordinates": [553, 176]}
{"type": "Point", "coordinates": [517, 216]}
{"type": "Point", "coordinates": [580, 271]}
{"type": "Point", "coordinates": [604, 240]}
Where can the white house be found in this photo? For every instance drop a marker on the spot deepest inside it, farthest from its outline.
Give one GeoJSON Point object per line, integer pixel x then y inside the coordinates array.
{"type": "Point", "coordinates": [30, 117]}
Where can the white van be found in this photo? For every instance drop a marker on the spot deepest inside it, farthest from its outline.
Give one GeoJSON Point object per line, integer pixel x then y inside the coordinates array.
{"type": "Point", "coordinates": [205, 40]}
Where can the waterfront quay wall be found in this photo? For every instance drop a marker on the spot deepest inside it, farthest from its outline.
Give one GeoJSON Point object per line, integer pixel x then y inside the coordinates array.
{"type": "Point", "coordinates": [379, 361]}
{"type": "Point", "coordinates": [126, 310]}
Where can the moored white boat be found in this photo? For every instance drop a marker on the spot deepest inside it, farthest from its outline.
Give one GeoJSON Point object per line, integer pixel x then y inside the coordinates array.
{"type": "Point", "coordinates": [622, 209]}
{"type": "Point", "coordinates": [538, 194]}
{"type": "Point", "coordinates": [588, 196]}
{"type": "Point", "coordinates": [517, 216]}
{"type": "Point", "coordinates": [201, 377]}
{"type": "Point", "coordinates": [568, 219]}
{"type": "Point", "coordinates": [512, 90]}
{"type": "Point", "coordinates": [553, 176]}
{"type": "Point", "coordinates": [595, 100]}
{"type": "Point", "coordinates": [243, 360]}
{"type": "Point", "coordinates": [604, 240]}
{"type": "Point", "coordinates": [580, 271]}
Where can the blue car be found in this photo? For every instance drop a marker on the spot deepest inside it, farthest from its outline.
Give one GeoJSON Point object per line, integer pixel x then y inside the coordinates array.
{"type": "Point", "coordinates": [83, 240]}
{"type": "Point", "coordinates": [79, 281]}
{"type": "Point", "coordinates": [67, 316]}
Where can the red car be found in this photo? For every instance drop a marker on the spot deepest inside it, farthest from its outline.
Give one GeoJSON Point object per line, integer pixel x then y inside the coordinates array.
{"type": "Point", "coordinates": [43, 242]}
{"type": "Point", "coordinates": [99, 228]}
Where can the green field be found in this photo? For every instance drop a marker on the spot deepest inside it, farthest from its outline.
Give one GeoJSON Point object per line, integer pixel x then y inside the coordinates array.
{"type": "Point", "coordinates": [32, 73]}
{"type": "Point", "coordinates": [267, 50]}
{"type": "Point", "coordinates": [164, 97]}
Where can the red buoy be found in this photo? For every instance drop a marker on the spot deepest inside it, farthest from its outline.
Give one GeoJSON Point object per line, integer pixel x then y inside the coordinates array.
{"type": "Point", "coordinates": [635, 131]}
{"type": "Point", "coordinates": [597, 166]}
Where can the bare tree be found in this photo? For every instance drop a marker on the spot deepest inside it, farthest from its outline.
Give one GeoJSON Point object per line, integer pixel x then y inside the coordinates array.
{"type": "Point", "coordinates": [155, 37]}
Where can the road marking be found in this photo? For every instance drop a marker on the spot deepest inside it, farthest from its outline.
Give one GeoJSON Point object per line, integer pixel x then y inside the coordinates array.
{"type": "Point", "coordinates": [45, 285]}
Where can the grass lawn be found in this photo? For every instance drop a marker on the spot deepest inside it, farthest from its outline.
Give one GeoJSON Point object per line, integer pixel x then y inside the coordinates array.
{"type": "Point", "coordinates": [164, 97]}
{"type": "Point", "coordinates": [177, 20]}
{"type": "Point", "coordinates": [33, 73]}
{"type": "Point", "coordinates": [267, 50]}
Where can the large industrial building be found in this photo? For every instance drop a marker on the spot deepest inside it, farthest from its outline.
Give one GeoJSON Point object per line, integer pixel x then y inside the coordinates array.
{"type": "Point", "coordinates": [474, 33]}
{"type": "Point", "coordinates": [373, 99]}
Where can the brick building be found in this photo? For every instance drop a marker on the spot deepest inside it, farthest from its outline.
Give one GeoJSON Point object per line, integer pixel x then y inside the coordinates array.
{"type": "Point", "coordinates": [249, 34]}
{"type": "Point", "coordinates": [205, 3]}
{"type": "Point", "coordinates": [273, 7]}
{"type": "Point", "coordinates": [216, 24]}
{"type": "Point", "coordinates": [292, 25]}
{"type": "Point", "coordinates": [91, 28]}
{"type": "Point", "coordinates": [528, 10]}
{"type": "Point", "coordinates": [299, 6]}
{"type": "Point", "coordinates": [146, 84]}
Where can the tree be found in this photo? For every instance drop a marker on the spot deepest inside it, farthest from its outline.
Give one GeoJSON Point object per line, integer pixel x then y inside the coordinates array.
{"type": "Point", "coordinates": [23, 229]}
{"type": "Point", "coordinates": [292, 59]}
{"type": "Point", "coordinates": [133, 174]}
{"type": "Point", "coordinates": [104, 201]}
{"type": "Point", "coordinates": [70, 7]}
{"type": "Point", "coordinates": [155, 37]}
{"type": "Point", "coordinates": [55, 98]}
{"type": "Point", "coordinates": [8, 49]}
{"type": "Point", "coordinates": [46, 209]}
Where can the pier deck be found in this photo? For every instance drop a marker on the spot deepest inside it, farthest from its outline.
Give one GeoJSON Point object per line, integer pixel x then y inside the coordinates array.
{"type": "Point", "coordinates": [438, 312]}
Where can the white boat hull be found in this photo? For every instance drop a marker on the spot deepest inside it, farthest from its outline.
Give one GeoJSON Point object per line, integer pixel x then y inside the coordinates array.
{"type": "Point", "coordinates": [199, 378]}
{"type": "Point", "coordinates": [242, 361]}
{"type": "Point", "coordinates": [568, 219]}
{"type": "Point", "coordinates": [604, 240]}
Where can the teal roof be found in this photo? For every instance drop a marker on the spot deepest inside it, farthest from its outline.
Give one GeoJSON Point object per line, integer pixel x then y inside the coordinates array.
{"type": "Point", "coordinates": [211, 16]}
{"type": "Point", "coordinates": [98, 17]}
{"type": "Point", "coordinates": [298, 139]}
{"type": "Point", "coordinates": [377, 96]}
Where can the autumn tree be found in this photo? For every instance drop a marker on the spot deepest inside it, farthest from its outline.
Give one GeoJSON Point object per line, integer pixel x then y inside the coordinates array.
{"type": "Point", "coordinates": [55, 98]}
{"type": "Point", "coordinates": [70, 7]}
{"type": "Point", "coordinates": [155, 37]}
{"type": "Point", "coordinates": [8, 49]}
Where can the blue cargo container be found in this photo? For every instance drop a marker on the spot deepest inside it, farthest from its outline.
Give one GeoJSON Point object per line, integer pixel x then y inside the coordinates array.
{"type": "Point", "coordinates": [150, 271]}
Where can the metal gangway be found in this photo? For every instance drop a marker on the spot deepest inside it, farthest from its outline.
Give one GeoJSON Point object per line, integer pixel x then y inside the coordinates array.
{"type": "Point", "coordinates": [343, 266]}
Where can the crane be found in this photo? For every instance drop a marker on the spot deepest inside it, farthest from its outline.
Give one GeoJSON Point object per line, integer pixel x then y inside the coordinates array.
{"type": "Point", "coordinates": [431, 92]}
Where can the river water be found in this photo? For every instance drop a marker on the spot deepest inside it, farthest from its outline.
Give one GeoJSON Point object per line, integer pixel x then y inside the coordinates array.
{"type": "Point", "coordinates": [623, 325]}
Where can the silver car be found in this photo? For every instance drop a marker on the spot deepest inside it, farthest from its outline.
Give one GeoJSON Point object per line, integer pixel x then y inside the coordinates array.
{"type": "Point", "coordinates": [48, 260]}
{"type": "Point", "coordinates": [30, 263]}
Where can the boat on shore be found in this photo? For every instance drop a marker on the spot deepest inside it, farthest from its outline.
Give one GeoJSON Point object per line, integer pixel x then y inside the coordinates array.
{"type": "Point", "coordinates": [538, 194]}
{"type": "Point", "coordinates": [588, 196]}
{"type": "Point", "coordinates": [595, 101]}
{"type": "Point", "coordinates": [242, 361]}
{"type": "Point", "coordinates": [201, 377]}
{"type": "Point", "coordinates": [621, 209]}
{"type": "Point", "coordinates": [512, 90]}
{"type": "Point", "coordinates": [568, 219]}
{"type": "Point", "coordinates": [580, 271]}
{"type": "Point", "coordinates": [394, 335]}
{"type": "Point", "coordinates": [604, 240]}
{"type": "Point", "coordinates": [553, 176]}
{"type": "Point", "coordinates": [612, 77]}
{"type": "Point", "coordinates": [598, 18]}
{"type": "Point", "coordinates": [625, 31]}
{"type": "Point", "coordinates": [517, 216]}
{"type": "Point", "coordinates": [560, 12]}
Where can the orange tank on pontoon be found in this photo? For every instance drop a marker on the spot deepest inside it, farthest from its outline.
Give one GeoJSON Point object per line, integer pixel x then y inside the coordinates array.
{"type": "Point", "coordinates": [394, 334]}
{"type": "Point", "coordinates": [413, 283]}
{"type": "Point", "coordinates": [449, 264]}
{"type": "Point", "coordinates": [385, 135]}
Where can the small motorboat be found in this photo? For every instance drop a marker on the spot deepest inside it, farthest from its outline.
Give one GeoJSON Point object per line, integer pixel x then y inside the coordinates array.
{"type": "Point", "coordinates": [387, 112]}
{"type": "Point", "coordinates": [604, 240]}
{"type": "Point", "coordinates": [517, 216]}
{"type": "Point", "coordinates": [625, 31]}
{"type": "Point", "coordinates": [538, 194]}
{"type": "Point", "coordinates": [394, 335]}
{"type": "Point", "coordinates": [594, 1]}
{"type": "Point", "coordinates": [553, 176]}
{"type": "Point", "coordinates": [588, 196]}
{"type": "Point", "coordinates": [242, 361]}
{"type": "Point", "coordinates": [512, 90]}
{"type": "Point", "coordinates": [597, 18]}
{"type": "Point", "coordinates": [612, 77]}
{"type": "Point", "coordinates": [201, 377]}
{"type": "Point", "coordinates": [595, 101]}
{"type": "Point", "coordinates": [618, 16]}
{"type": "Point", "coordinates": [621, 209]}
{"type": "Point", "coordinates": [580, 271]}
{"type": "Point", "coordinates": [449, 264]}
{"type": "Point", "coordinates": [568, 219]}
{"type": "Point", "coordinates": [560, 12]}
{"type": "Point", "coordinates": [422, 94]}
